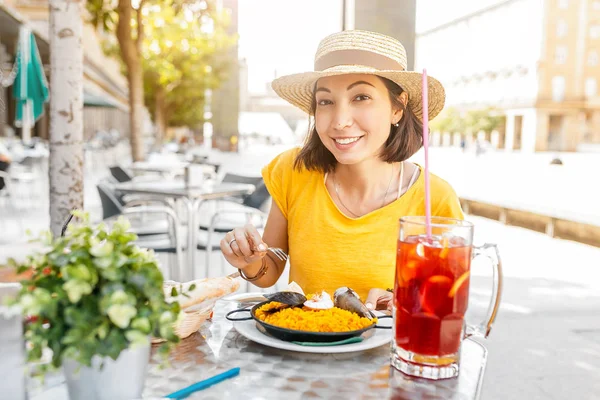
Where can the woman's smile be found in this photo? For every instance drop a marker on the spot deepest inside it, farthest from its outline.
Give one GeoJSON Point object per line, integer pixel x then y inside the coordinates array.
{"type": "Point", "coordinates": [346, 142]}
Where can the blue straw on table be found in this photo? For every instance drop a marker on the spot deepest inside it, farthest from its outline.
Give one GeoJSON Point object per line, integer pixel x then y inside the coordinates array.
{"type": "Point", "coordinates": [185, 392]}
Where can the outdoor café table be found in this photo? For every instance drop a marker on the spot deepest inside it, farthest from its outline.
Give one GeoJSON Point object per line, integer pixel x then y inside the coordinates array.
{"type": "Point", "coordinates": [192, 197]}
{"type": "Point", "coordinates": [268, 373]}
{"type": "Point", "coordinates": [164, 168]}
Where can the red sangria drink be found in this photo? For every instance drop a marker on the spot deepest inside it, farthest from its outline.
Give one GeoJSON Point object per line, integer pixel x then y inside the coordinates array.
{"type": "Point", "coordinates": [431, 296]}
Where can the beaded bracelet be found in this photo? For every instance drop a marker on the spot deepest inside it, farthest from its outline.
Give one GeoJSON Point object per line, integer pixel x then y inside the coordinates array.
{"type": "Point", "coordinates": [261, 272]}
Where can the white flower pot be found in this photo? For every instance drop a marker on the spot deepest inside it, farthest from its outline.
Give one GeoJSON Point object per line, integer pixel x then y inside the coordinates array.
{"type": "Point", "coordinates": [121, 379]}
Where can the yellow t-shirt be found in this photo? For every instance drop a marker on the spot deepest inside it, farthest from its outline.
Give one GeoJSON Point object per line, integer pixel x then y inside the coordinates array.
{"type": "Point", "coordinates": [329, 249]}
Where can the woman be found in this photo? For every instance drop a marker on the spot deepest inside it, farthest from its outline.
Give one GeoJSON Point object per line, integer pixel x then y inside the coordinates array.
{"type": "Point", "coordinates": [338, 199]}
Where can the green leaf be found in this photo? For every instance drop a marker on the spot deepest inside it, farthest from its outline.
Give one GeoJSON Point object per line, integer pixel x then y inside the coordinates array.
{"type": "Point", "coordinates": [73, 336]}
{"type": "Point", "coordinates": [22, 268]}
{"type": "Point", "coordinates": [61, 260]}
{"type": "Point", "coordinates": [77, 288]}
{"type": "Point", "coordinates": [137, 338]}
{"type": "Point", "coordinates": [102, 249]}
{"type": "Point", "coordinates": [35, 353]}
{"type": "Point", "coordinates": [121, 315]}
{"type": "Point", "coordinates": [142, 324]}
{"type": "Point", "coordinates": [102, 331]}
{"type": "Point", "coordinates": [173, 291]}
{"type": "Point", "coordinates": [120, 297]}
{"type": "Point", "coordinates": [122, 225]}
{"type": "Point", "coordinates": [112, 274]}
{"type": "Point", "coordinates": [104, 262]}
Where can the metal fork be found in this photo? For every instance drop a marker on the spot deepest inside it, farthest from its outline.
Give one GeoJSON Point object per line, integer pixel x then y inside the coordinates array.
{"type": "Point", "coordinates": [279, 253]}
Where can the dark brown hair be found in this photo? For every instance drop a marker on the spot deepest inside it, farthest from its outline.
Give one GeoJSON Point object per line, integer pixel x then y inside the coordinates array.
{"type": "Point", "coordinates": [404, 140]}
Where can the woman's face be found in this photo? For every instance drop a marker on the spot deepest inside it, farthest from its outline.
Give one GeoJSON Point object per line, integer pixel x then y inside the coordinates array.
{"type": "Point", "coordinates": [353, 116]}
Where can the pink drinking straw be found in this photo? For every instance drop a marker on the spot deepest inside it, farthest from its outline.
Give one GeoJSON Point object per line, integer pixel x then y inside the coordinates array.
{"type": "Point", "coordinates": [426, 147]}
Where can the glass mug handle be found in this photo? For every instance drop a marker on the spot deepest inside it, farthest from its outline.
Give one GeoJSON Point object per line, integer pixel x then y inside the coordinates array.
{"type": "Point", "coordinates": [491, 252]}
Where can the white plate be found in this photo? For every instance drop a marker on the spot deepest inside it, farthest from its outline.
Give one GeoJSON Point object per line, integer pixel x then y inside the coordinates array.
{"type": "Point", "coordinates": [379, 338]}
{"type": "Point", "coordinates": [241, 297]}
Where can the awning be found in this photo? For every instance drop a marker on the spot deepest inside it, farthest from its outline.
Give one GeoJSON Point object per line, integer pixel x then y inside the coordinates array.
{"type": "Point", "coordinates": [91, 100]}
{"type": "Point", "coordinates": [95, 96]}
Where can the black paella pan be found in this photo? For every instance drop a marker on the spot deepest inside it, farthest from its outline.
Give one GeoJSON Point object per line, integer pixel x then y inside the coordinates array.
{"type": "Point", "coordinates": [293, 335]}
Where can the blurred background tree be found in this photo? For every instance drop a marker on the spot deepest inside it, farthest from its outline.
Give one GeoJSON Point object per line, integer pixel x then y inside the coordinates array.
{"type": "Point", "coordinates": [472, 121]}
{"type": "Point", "coordinates": [184, 55]}
{"type": "Point", "coordinates": [486, 120]}
{"type": "Point", "coordinates": [449, 120]}
{"type": "Point", "coordinates": [166, 48]}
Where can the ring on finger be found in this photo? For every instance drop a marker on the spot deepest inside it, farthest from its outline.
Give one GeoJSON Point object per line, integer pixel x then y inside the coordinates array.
{"type": "Point", "coordinates": [231, 241]}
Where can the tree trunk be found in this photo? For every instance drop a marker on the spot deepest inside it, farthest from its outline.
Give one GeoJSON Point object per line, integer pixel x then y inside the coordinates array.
{"type": "Point", "coordinates": [160, 115]}
{"type": "Point", "coordinates": [130, 48]}
{"type": "Point", "coordinates": [136, 104]}
{"type": "Point", "coordinates": [66, 111]}
{"type": "Point", "coordinates": [3, 103]}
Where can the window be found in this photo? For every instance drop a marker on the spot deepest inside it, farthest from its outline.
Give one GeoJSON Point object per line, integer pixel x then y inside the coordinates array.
{"type": "Point", "coordinates": [595, 31]}
{"type": "Point", "coordinates": [592, 58]}
{"type": "Point", "coordinates": [564, 4]}
{"type": "Point", "coordinates": [591, 87]}
{"type": "Point", "coordinates": [560, 57]}
{"type": "Point", "coordinates": [561, 28]}
{"type": "Point", "coordinates": [558, 88]}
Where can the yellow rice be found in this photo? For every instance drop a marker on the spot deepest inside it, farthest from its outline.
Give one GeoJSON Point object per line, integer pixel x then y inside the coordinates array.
{"type": "Point", "coordinates": [305, 319]}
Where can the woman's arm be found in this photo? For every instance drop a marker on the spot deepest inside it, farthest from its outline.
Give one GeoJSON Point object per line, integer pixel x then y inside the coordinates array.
{"type": "Point", "coordinates": [275, 235]}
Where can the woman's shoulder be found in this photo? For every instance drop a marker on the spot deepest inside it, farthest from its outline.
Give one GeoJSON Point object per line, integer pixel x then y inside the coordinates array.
{"type": "Point", "coordinates": [286, 183]}
{"type": "Point", "coordinates": [444, 200]}
{"type": "Point", "coordinates": [286, 158]}
{"type": "Point", "coordinates": [441, 186]}
{"type": "Point", "coordinates": [285, 164]}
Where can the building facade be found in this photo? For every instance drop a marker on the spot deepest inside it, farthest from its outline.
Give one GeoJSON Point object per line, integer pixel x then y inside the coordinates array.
{"type": "Point", "coordinates": [395, 18]}
{"type": "Point", "coordinates": [106, 104]}
{"type": "Point", "coordinates": [225, 101]}
{"type": "Point", "coordinates": [536, 61]}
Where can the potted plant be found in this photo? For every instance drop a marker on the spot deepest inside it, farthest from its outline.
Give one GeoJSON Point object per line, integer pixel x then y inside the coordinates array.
{"type": "Point", "coordinates": [95, 299]}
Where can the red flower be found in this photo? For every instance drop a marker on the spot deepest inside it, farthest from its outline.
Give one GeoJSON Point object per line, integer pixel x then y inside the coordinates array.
{"type": "Point", "coordinates": [47, 271]}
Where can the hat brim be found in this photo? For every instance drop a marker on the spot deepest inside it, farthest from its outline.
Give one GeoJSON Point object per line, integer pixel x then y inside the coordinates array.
{"type": "Point", "coordinates": [297, 88]}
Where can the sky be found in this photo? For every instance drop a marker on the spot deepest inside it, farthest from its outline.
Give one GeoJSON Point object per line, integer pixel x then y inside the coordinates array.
{"type": "Point", "coordinates": [279, 37]}
{"type": "Point", "coordinates": [286, 38]}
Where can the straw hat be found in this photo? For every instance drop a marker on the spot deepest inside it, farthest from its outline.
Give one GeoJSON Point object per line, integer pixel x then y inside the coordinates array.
{"type": "Point", "coordinates": [361, 52]}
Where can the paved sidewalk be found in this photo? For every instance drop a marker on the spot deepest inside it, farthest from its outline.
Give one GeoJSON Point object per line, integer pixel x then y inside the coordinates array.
{"type": "Point", "coordinates": [524, 181]}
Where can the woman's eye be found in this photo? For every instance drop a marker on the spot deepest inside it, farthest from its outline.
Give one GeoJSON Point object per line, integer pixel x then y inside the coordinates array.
{"type": "Point", "coordinates": [323, 102]}
{"type": "Point", "coordinates": [362, 97]}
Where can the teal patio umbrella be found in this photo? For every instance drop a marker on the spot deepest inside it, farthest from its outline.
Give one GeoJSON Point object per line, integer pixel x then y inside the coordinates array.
{"type": "Point", "coordinates": [30, 88]}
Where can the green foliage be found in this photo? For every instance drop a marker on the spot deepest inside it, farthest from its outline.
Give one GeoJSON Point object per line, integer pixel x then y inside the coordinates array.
{"type": "Point", "coordinates": [449, 120]}
{"type": "Point", "coordinates": [485, 120]}
{"type": "Point", "coordinates": [452, 120]}
{"type": "Point", "coordinates": [102, 14]}
{"type": "Point", "coordinates": [93, 292]}
{"type": "Point", "coordinates": [184, 53]}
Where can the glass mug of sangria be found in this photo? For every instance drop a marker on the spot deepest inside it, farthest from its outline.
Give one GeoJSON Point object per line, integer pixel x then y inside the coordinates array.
{"type": "Point", "coordinates": [431, 294]}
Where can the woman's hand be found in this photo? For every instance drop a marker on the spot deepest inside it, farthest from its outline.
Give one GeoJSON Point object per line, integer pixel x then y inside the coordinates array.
{"type": "Point", "coordinates": [379, 299]}
{"type": "Point", "coordinates": [243, 246]}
